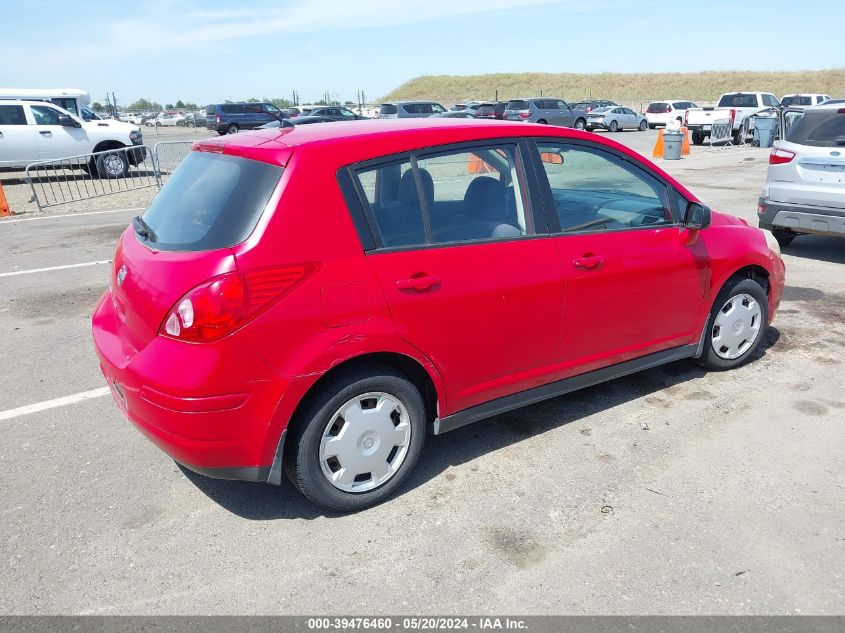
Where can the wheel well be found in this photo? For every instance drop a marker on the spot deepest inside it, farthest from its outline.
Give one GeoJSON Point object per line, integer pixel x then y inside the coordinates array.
{"type": "Point", "coordinates": [757, 274]}
{"type": "Point", "coordinates": [405, 365]}
{"type": "Point", "coordinates": [102, 146]}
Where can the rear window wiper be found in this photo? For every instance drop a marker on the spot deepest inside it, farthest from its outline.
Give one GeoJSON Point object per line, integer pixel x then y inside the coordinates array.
{"type": "Point", "coordinates": [143, 229]}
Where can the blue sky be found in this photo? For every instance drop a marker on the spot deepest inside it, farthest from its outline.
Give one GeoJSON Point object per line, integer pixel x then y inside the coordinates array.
{"type": "Point", "coordinates": [210, 50]}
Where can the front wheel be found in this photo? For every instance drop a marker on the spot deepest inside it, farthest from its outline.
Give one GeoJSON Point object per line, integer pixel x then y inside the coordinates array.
{"type": "Point", "coordinates": [580, 124]}
{"type": "Point", "coordinates": [358, 440]}
{"type": "Point", "coordinates": [112, 165]}
{"type": "Point", "coordinates": [735, 325]}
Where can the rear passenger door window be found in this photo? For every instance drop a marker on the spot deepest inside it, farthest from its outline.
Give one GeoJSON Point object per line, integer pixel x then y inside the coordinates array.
{"type": "Point", "coordinates": [463, 195]}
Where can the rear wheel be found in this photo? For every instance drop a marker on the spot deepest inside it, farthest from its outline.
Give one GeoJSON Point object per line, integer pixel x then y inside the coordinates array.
{"type": "Point", "coordinates": [735, 325]}
{"type": "Point", "coordinates": [232, 129]}
{"type": "Point", "coordinates": [614, 126]}
{"type": "Point", "coordinates": [783, 236]}
{"type": "Point", "coordinates": [542, 122]}
{"type": "Point", "coordinates": [698, 138]}
{"type": "Point", "coordinates": [357, 440]}
{"type": "Point", "coordinates": [580, 124]}
{"type": "Point", "coordinates": [643, 125]}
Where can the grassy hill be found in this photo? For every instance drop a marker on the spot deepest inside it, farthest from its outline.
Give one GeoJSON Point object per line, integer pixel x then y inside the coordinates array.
{"type": "Point", "coordinates": [623, 88]}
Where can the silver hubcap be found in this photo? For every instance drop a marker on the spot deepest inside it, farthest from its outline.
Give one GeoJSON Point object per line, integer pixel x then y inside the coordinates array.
{"type": "Point", "coordinates": [113, 165]}
{"type": "Point", "coordinates": [736, 326]}
{"type": "Point", "coordinates": [365, 442]}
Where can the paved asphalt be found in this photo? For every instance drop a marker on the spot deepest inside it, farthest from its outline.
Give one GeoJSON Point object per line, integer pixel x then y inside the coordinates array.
{"type": "Point", "coordinates": [672, 491]}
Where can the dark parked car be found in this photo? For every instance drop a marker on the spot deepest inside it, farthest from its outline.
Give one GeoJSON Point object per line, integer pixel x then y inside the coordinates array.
{"type": "Point", "coordinates": [482, 109]}
{"type": "Point", "coordinates": [409, 109]}
{"type": "Point", "coordinates": [546, 111]}
{"type": "Point", "coordinates": [592, 104]}
{"type": "Point", "coordinates": [499, 110]}
{"type": "Point", "coordinates": [230, 118]}
{"type": "Point", "coordinates": [336, 113]}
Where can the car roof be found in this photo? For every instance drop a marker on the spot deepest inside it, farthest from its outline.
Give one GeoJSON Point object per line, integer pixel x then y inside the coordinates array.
{"type": "Point", "coordinates": [825, 106]}
{"type": "Point", "coordinates": [29, 102]}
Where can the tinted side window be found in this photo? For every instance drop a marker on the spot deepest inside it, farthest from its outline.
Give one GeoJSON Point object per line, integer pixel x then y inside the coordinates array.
{"type": "Point", "coordinates": [232, 109]}
{"type": "Point", "coordinates": [770, 101]}
{"type": "Point", "coordinates": [594, 190]}
{"type": "Point", "coordinates": [12, 115]}
{"type": "Point", "coordinates": [45, 115]}
{"type": "Point", "coordinates": [465, 195]}
{"type": "Point", "coordinates": [561, 105]}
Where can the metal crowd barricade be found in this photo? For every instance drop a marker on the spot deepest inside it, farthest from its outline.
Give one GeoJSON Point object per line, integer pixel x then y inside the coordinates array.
{"type": "Point", "coordinates": [94, 175]}
{"type": "Point", "coordinates": [721, 133]}
{"type": "Point", "coordinates": [168, 155]}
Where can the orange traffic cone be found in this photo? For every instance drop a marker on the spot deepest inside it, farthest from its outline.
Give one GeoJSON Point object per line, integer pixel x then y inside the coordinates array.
{"type": "Point", "coordinates": [5, 211]}
{"type": "Point", "coordinates": [685, 143]}
{"type": "Point", "coordinates": [658, 146]}
{"type": "Point", "coordinates": [477, 166]}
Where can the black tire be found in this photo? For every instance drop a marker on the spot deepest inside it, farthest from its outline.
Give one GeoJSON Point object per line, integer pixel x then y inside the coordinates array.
{"type": "Point", "coordinates": [735, 286]}
{"type": "Point", "coordinates": [784, 236]}
{"type": "Point", "coordinates": [651, 126]}
{"type": "Point", "coordinates": [109, 167]}
{"type": "Point", "coordinates": [542, 122]}
{"type": "Point", "coordinates": [580, 124]}
{"type": "Point", "coordinates": [698, 138]}
{"type": "Point", "coordinates": [223, 133]}
{"type": "Point", "coordinates": [613, 127]}
{"type": "Point", "coordinates": [301, 459]}
{"type": "Point", "coordinates": [643, 126]}
{"type": "Point", "coordinates": [232, 129]}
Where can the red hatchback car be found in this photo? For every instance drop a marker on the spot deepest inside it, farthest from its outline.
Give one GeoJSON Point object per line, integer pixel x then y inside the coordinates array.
{"type": "Point", "coordinates": [318, 299]}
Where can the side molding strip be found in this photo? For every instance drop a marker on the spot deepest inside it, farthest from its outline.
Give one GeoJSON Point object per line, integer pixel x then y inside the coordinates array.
{"type": "Point", "coordinates": [561, 387]}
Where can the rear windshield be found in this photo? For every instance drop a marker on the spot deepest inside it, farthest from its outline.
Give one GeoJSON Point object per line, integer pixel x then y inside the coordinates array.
{"type": "Point", "coordinates": [210, 109]}
{"type": "Point", "coordinates": [484, 109]}
{"type": "Point", "coordinates": [819, 129]}
{"type": "Point", "coordinates": [796, 101]}
{"type": "Point", "coordinates": [388, 108]}
{"type": "Point", "coordinates": [658, 108]}
{"type": "Point", "coordinates": [738, 101]}
{"type": "Point", "coordinates": [517, 105]}
{"type": "Point", "coordinates": [211, 201]}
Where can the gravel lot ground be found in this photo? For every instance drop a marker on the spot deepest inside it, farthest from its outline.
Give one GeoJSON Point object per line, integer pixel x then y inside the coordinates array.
{"type": "Point", "coordinates": [722, 492]}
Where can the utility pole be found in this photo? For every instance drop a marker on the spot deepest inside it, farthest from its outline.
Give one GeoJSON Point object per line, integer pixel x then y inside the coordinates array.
{"type": "Point", "coordinates": [114, 105]}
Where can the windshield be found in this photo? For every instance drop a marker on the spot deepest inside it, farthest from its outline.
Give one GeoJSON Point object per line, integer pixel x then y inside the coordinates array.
{"type": "Point", "coordinates": [819, 129]}
{"type": "Point", "coordinates": [738, 101]}
{"type": "Point", "coordinates": [211, 201]}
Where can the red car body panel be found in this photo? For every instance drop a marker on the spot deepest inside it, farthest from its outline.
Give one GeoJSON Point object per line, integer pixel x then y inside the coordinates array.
{"type": "Point", "coordinates": [504, 316]}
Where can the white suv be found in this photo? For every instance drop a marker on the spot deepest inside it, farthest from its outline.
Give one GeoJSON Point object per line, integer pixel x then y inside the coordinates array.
{"type": "Point", "coordinates": [805, 186]}
{"type": "Point", "coordinates": [32, 131]}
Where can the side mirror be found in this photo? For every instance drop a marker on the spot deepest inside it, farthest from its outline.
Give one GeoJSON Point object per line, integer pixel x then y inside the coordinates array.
{"type": "Point", "coordinates": [68, 121]}
{"type": "Point", "coordinates": [697, 216]}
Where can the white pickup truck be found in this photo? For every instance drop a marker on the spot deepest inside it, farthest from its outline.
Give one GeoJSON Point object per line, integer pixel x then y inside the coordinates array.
{"type": "Point", "coordinates": [736, 106]}
{"type": "Point", "coordinates": [31, 131]}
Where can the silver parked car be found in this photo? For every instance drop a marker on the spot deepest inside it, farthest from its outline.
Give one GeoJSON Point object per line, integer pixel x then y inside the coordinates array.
{"type": "Point", "coordinates": [545, 111]}
{"type": "Point", "coordinates": [409, 109]}
{"type": "Point", "coordinates": [615, 119]}
{"type": "Point", "coordinates": [805, 185]}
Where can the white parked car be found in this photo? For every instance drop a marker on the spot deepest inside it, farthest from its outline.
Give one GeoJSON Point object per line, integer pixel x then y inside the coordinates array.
{"type": "Point", "coordinates": [166, 120]}
{"type": "Point", "coordinates": [805, 186]}
{"type": "Point", "coordinates": [130, 117]}
{"type": "Point", "coordinates": [31, 131]}
{"type": "Point", "coordinates": [662, 112]}
{"type": "Point", "coordinates": [803, 100]}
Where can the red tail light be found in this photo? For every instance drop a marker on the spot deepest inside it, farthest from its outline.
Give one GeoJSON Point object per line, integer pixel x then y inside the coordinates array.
{"type": "Point", "coordinates": [524, 115]}
{"type": "Point", "coordinates": [225, 303]}
{"type": "Point", "coordinates": [733, 116]}
{"type": "Point", "coordinates": [780, 156]}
